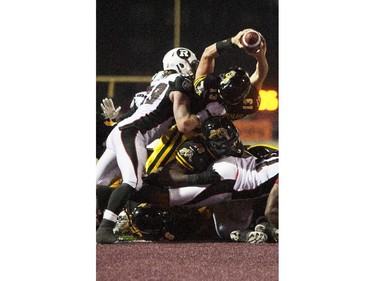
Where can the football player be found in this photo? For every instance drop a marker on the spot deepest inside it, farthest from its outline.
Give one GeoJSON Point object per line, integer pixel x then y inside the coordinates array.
{"type": "Point", "coordinates": [238, 91]}
{"type": "Point", "coordinates": [166, 102]}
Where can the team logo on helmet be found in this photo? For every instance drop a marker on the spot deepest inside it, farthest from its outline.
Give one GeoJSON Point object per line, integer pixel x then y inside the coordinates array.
{"type": "Point", "coordinates": [234, 85]}
{"type": "Point", "coordinates": [183, 53]}
{"type": "Point", "coordinates": [227, 77]}
{"type": "Point", "coordinates": [220, 133]}
{"type": "Point", "coordinates": [187, 153]}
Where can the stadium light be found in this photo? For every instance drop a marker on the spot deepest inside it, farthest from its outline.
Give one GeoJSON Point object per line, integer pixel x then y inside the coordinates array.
{"type": "Point", "coordinates": [269, 100]}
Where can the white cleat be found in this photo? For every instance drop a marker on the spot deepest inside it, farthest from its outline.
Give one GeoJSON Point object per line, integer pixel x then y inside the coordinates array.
{"type": "Point", "coordinates": [253, 237]}
{"type": "Point", "coordinates": [122, 225]}
{"type": "Point", "coordinates": [256, 237]}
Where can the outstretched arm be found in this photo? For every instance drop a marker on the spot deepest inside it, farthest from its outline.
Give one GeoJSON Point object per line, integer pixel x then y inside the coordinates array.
{"type": "Point", "coordinates": [261, 68]}
{"type": "Point", "coordinates": [173, 175]}
{"type": "Point", "coordinates": [207, 61]}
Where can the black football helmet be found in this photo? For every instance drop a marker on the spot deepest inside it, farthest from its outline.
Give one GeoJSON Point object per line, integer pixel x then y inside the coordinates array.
{"type": "Point", "coordinates": [222, 137]}
{"type": "Point", "coordinates": [150, 220]}
{"type": "Point", "coordinates": [156, 223]}
{"type": "Point", "coordinates": [234, 85]}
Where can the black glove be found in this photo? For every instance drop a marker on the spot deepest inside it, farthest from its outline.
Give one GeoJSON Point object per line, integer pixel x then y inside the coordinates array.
{"type": "Point", "coordinates": [207, 177]}
{"type": "Point", "coordinates": [152, 179]}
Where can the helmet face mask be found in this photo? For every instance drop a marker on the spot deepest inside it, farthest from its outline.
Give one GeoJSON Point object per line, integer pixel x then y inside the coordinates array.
{"type": "Point", "coordinates": [222, 137]}
{"type": "Point", "coordinates": [182, 61]}
{"type": "Point", "coordinates": [234, 85]}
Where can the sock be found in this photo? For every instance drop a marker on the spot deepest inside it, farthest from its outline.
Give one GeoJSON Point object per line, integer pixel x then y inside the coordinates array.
{"type": "Point", "coordinates": [119, 197]}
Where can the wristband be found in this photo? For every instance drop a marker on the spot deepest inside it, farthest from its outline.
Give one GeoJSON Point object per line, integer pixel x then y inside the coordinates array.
{"type": "Point", "coordinates": [203, 115]}
{"type": "Point", "coordinates": [225, 45]}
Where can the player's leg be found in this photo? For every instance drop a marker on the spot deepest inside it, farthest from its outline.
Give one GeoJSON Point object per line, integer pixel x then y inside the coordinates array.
{"type": "Point", "coordinates": [130, 153]}
{"type": "Point", "coordinates": [107, 170]}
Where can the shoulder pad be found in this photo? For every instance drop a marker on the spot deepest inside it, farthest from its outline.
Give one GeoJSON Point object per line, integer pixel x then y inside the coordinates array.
{"type": "Point", "coordinates": [207, 86]}
{"type": "Point", "coordinates": [182, 84]}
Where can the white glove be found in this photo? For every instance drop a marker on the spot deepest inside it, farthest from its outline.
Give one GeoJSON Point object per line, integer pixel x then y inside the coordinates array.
{"type": "Point", "coordinates": [216, 109]}
{"type": "Point", "coordinates": [109, 110]}
{"type": "Point", "coordinates": [212, 109]}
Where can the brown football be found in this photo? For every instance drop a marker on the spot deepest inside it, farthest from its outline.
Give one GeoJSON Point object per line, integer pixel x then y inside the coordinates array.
{"type": "Point", "coordinates": [251, 40]}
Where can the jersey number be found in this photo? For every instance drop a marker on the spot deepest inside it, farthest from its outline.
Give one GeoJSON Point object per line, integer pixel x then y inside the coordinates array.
{"type": "Point", "coordinates": [248, 104]}
{"type": "Point", "coordinates": [155, 93]}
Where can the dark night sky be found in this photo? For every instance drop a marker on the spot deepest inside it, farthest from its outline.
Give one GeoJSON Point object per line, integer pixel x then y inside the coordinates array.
{"type": "Point", "coordinates": [133, 36]}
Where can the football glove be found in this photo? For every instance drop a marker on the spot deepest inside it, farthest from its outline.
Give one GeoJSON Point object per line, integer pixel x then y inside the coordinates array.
{"type": "Point", "coordinates": [212, 109]}
{"type": "Point", "coordinates": [207, 177]}
{"type": "Point", "coordinates": [216, 109]}
{"type": "Point", "coordinates": [109, 110]}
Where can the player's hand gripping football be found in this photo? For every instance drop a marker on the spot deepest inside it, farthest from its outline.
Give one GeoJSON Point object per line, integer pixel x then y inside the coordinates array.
{"type": "Point", "coordinates": [109, 110]}
{"type": "Point", "coordinates": [263, 47]}
{"type": "Point", "coordinates": [236, 39]}
{"type": "Point", "coordinates": [261, 53]}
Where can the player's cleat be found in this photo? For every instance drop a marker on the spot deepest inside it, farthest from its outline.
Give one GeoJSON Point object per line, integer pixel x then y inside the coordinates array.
{"type": "Point", "coordinates": [123, 224]}
{"type": "Point", "coordinates": [253, 237]}
{"type": "Point", "coordinates": [105, 236]}
{"type": "Point", "coordinates": [269, 230]}
{"type": "Point", "coordinates": [239, 235]}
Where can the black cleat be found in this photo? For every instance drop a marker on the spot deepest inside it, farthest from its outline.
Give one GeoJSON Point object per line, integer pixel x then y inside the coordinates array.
{"type": "Point", "coordinates": [106, 236]}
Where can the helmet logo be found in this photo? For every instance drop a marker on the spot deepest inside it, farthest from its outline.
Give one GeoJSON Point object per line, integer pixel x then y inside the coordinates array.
{"type": "Point", "coordinates": [183, 53]}
{"type": "Point", "coordinates": [187, 153]}
{"type": "Point", "coordinates": [221, 132]}
{"type": "Point", "coordinates": [228, 76]}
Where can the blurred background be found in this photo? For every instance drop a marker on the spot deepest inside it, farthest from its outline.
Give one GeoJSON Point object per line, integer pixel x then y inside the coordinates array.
{"type": "Point", "coordinates": [133, 36]}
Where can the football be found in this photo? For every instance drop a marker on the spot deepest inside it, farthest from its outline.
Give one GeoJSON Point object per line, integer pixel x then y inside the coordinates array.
{"type": "Point", "coordinates": [251, 40]}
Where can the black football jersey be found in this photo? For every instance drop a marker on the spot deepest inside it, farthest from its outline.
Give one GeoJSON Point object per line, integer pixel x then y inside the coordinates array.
{"type": "Point", "coordinates": [207, 87]}
{"type": "Point", "coordinates": [249, 105]}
